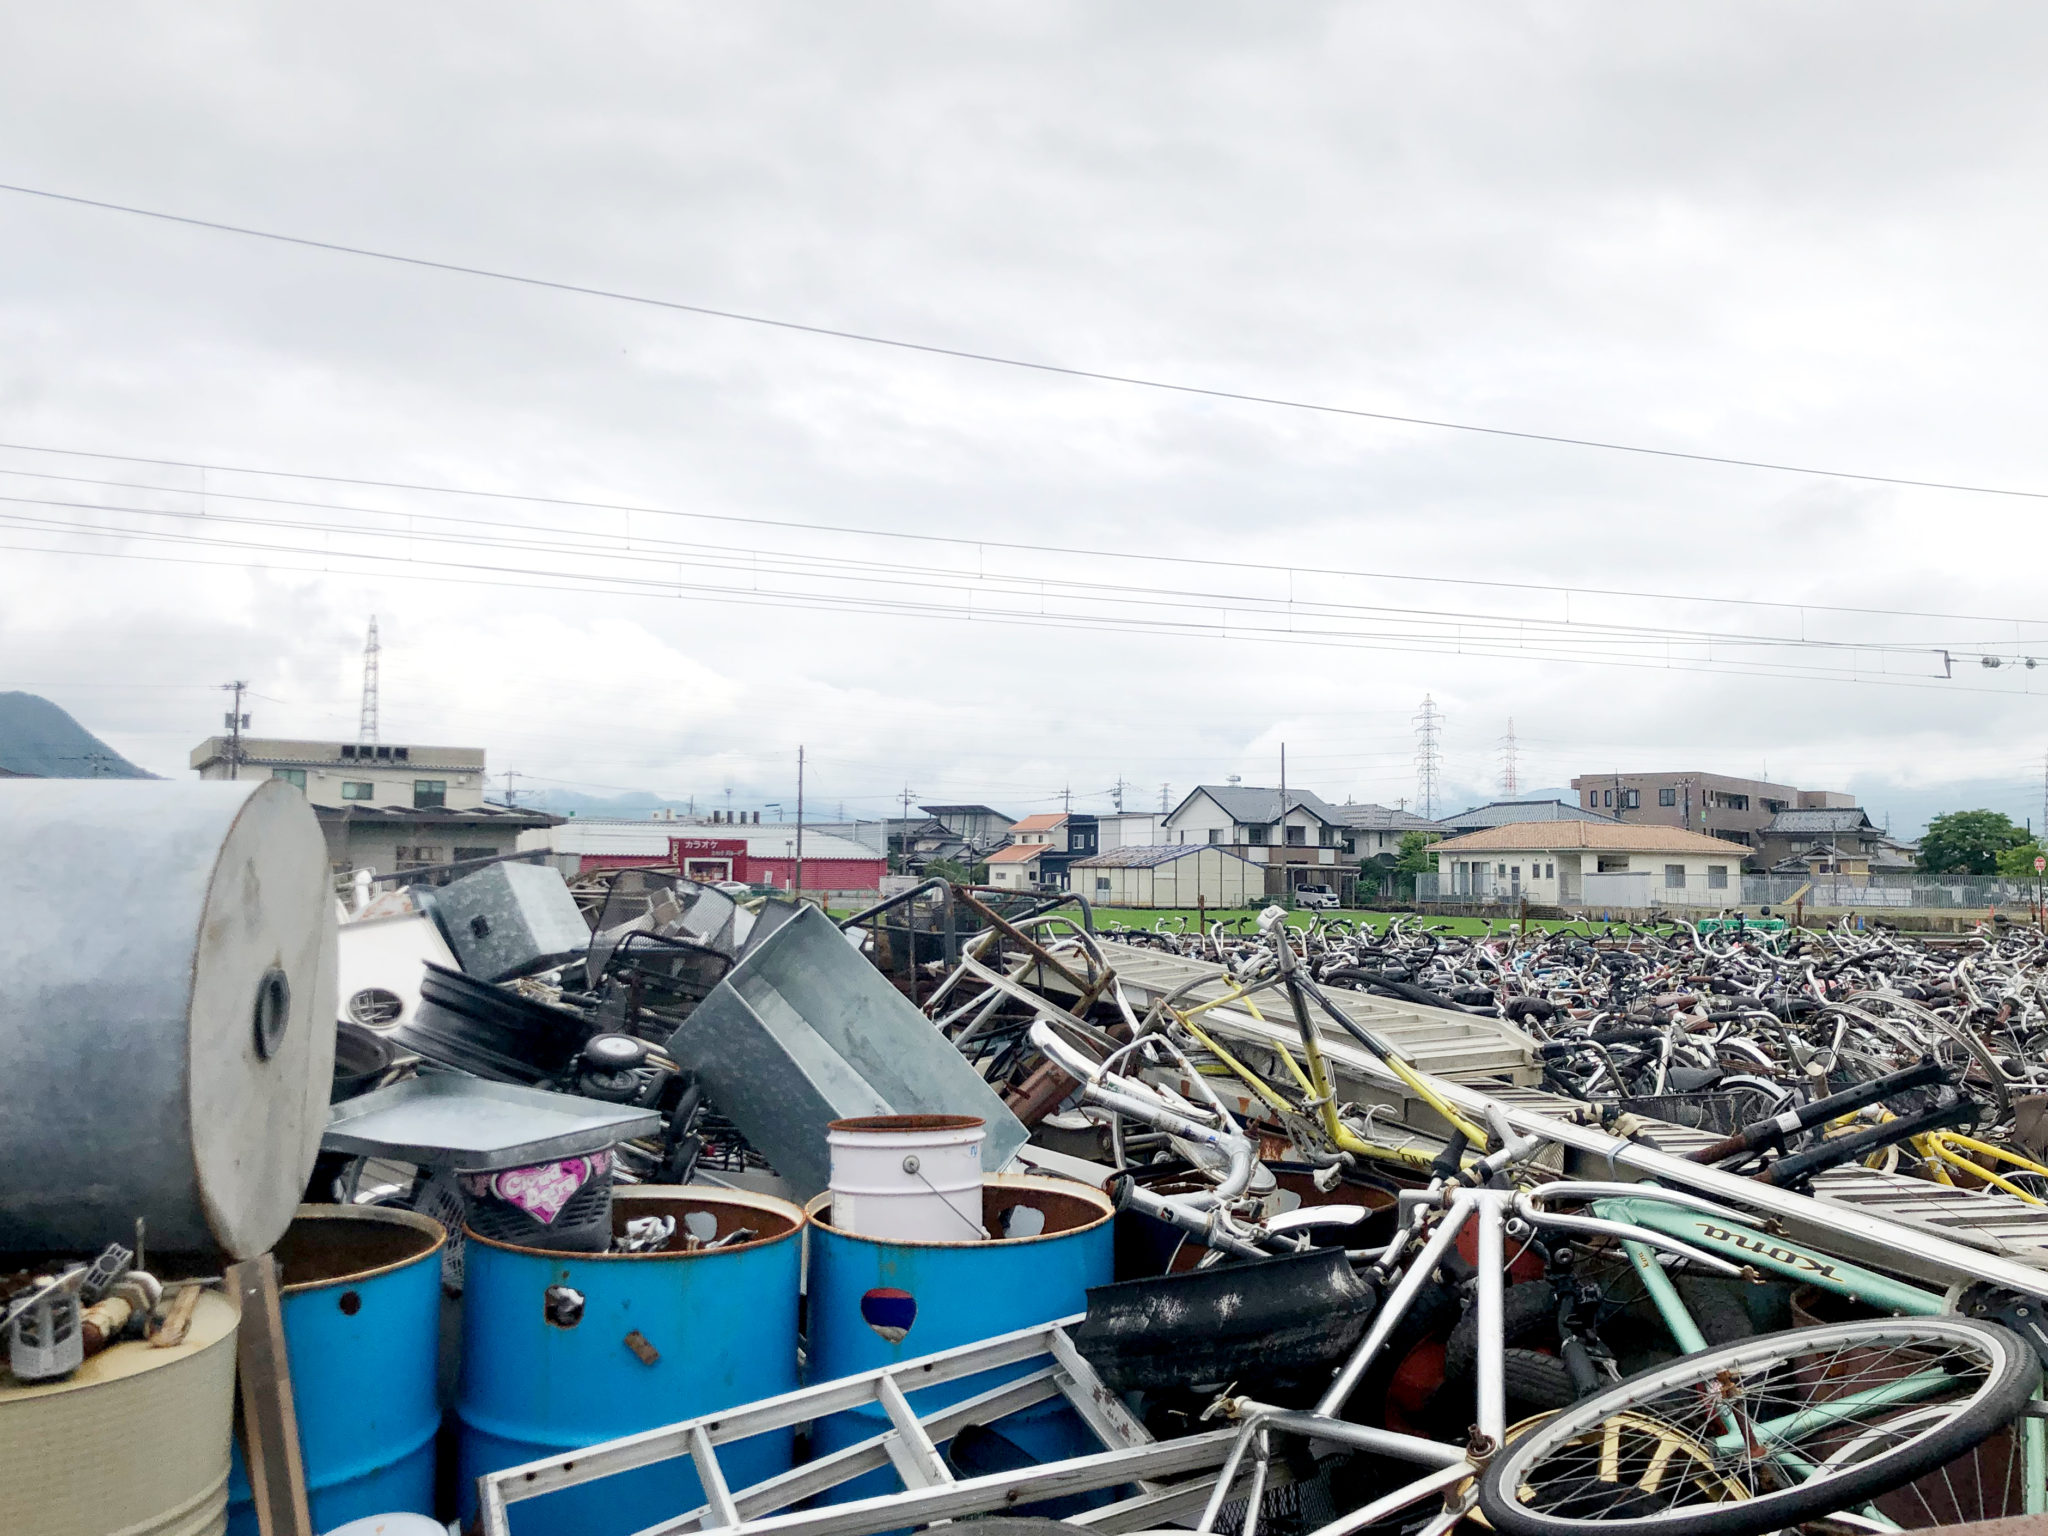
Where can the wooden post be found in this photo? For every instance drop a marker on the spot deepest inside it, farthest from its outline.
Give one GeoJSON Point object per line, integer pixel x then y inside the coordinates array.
{"type": "Point", "coordinates": [270, 1419]}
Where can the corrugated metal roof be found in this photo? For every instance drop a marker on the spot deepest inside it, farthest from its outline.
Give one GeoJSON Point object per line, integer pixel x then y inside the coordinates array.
{"type": "Point", "coordinates": [1149, 855]}
{"type": "Point", "coordinates": [1549, 836]}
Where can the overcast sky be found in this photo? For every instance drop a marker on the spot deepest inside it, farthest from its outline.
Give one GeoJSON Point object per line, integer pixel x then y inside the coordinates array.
{"type": "Point", "coordinates": [1810, 235]}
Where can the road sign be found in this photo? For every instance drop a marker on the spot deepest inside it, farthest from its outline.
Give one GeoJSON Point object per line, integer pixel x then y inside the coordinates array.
{"type": "Point", "coordinates": [2040, 863]}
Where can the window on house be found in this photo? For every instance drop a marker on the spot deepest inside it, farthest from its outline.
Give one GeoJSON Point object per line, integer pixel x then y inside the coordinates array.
{"type": "Point", "coordinates": [1667, 797]}
{"type": "Point", "coordinates": [401, 753]}
{"type": "Point", "coordinates": [1717, 877]}
{"type": "Point", "coordinates": [1592, 798]}
{"type": "Point", "coordinates": [1256, 836]}
{"type": "Point", "coordinates": [1501, 869]}
{"type": "Point", "coordinates": [354, 790]}
{"type": "Point", "coordinates": [347, 751]}
{"type": "Point", "coordinates": [290, 775]}
{"type": "Point", "coordinates": [1607, 798]}
{"type": "Point", "coordinates": [1297, 837]}
{"type": "Point", "coordinates": [429, 794]}
{"type": "Point", "coordinates": [1215, 835]}
{"type": "Point", "coordinates": [1635, 799]}
{"type": "Point", "coordinates": [1674, 877]}
{"type": "Point", "coordinates": [1350, 844]}
{"type": "Point", "coordinates": [1101, 884]}
{"type": "Point", "coordinates": [1550, 871]}
{"type": "Point", "coordinates": [475, 853]}
{"type": "Point", "coordinates": [383, 752]}
{"type": "Point", "coordinates": [1326, 837]}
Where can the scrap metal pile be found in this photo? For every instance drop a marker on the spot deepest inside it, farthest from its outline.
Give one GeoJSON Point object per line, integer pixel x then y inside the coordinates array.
{"type": "Point", "coordinates": [1727, 1023]}
{"type": "Point", "coordinates": [1319, 1325]}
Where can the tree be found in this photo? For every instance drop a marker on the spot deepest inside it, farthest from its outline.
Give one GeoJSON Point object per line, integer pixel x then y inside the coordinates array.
{"type": "Point", "coordinates": [1968, 843]}
{"type": "Point", "coordinates": [1416, 859]}
{"type": "Point", "coordinates": [2017, 863]}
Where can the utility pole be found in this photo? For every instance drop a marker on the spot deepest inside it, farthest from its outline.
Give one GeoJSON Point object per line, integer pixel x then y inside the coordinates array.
{"type": "Point", "coordinates": [366, 730]}
{"type": "Point", "coordinates": [1510, 777]}
{"type": "Point", "coordinates": [1286, 884]}
{"type": "Point", "coordinates": [511, 794]}
{"type": "Point", "coordinates": [1162, 798]}
{"type": "Point", "coordinates": [1067, 799]}
{"type": "Point", "coordinates": [1428, 755]}
{"type": "Point", "coordinates": [237, 722]}
{"type": "Point", "coordinates": [1116, 795]}
{"type": "Point", "coordinates": [903, 831]}
{"type": "Point", "coordinates": [799, 822]}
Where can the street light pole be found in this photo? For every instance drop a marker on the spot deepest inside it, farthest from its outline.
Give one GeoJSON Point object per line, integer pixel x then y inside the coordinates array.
{"type": "Point", "coordinates": [799, 823]}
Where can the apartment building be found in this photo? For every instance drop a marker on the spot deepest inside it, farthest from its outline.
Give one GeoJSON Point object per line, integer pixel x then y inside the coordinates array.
{"type": "Point", "coordinates": [1734, 810]}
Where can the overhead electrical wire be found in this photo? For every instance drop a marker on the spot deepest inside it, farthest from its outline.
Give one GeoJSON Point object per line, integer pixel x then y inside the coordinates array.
{"type": "Point", "coordinates": [1557, 589]}
{"type": "Point", "coordinates": [965, 354]}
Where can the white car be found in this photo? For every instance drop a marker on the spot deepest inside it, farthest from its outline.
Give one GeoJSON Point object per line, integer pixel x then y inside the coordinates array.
{"type": "Point", "coordinates": [1315, 898]}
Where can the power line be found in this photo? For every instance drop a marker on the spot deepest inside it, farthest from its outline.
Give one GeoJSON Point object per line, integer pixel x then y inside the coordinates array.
{"type": "Point", "coordinates": [964, 354]}
{"type": "Point", "coordinates": [1555, 589]}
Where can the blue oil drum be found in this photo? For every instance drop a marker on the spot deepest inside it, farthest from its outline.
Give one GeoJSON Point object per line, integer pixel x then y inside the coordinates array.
{"type": "Point", "coordinates": [562, 1350]}
{"type": "Point", "coordinates": [875, 1302]}
{"type": "Point", "coordinates": [362, 1318]}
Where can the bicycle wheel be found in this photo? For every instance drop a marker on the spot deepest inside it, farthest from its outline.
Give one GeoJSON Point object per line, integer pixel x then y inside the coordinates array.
{"type": "Point", "coordinates": [1759, 1435]}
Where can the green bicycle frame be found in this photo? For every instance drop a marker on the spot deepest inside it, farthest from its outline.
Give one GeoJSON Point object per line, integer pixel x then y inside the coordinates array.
{"type": "Point", "coordinates": [1745, 1245]}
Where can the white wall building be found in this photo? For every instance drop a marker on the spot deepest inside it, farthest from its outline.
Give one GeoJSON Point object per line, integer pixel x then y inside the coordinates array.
{"type": "Point", "coordinates": [1578, 863]}
{"type": "Point", "coordinates": [1168, 875]}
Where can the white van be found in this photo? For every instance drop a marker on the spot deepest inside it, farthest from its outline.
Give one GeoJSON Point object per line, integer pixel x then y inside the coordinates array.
{"type": "Point", "coordinates": [1315, 898]}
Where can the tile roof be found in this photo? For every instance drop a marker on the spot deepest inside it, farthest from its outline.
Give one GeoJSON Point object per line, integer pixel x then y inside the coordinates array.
{"type": "Point", "coordinates": [1384, 818]}
{"type": "Point", "coordinates": [1806, 823]}
{"type": "Point", "coordinates": [1501, 813]}
{"type": "Point", "coordinates": [1252, 806]}
{"type": "Point", "coordinates": [1612, 837]}
{"type": "Point", "coordinates": [1044, 821]}
{"type": "Point", "coordinates": [1020, 853]}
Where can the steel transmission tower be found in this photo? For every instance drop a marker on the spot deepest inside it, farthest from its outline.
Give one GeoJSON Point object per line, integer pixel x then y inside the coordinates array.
{"type": "Point", "coordinates": [1510, 765]}
{"type": "Point", "coordinates": [1428, 755]}
{"type": "Point", "coordinates": [366, 730]}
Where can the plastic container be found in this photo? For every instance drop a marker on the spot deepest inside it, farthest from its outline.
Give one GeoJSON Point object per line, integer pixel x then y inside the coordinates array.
{"type": "Point", "coordinates": [875, 1301]}
{"type": "Point", "coordinates": [362, 1319]}
{"type": "Point", "coordinates": [914, 1178]}
{"type": "Point", "coordinates": [562, 1350]}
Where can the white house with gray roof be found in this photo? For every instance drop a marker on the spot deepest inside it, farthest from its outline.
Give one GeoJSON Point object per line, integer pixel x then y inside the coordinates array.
{"type": "Point", "coordinates": [1304, 842]}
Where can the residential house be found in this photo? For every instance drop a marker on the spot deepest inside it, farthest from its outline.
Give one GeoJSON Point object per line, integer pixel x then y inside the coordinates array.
{"type": "Point", "coordinates": [1063, 835]}
{"type": "Point", "coordinates": [1569, 862]}
{"type": "Point", "coordinates": [1836, 841]}
{"type": "Point", "coordinates": [1737, 810]}
{"type": "Point", "coordinates": [1185, 875]}
{"type": "Point", "coordinates": [1378, 829]}
{"type": "Point", "coordinates": [749, 852]}
{"type": "Point", "coordinates": [1304, 841]}
{"type": "Point", "coordinates": [1019, 867]}
{"type": "Point", "coordinates": [382, 807]}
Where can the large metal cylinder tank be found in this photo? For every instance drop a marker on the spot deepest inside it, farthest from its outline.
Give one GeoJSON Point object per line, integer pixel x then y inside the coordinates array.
{"type": "Point", "coordinates": [876, 1301]}
{"type": "Point", "coordinates": [135, 1440]}
{"type": "Point", "coordinates": [166, 1012]}
{"type": "Point", "coordinates": [561, 1350]}
{"type": "Point", "coordinates": [362, 1319]}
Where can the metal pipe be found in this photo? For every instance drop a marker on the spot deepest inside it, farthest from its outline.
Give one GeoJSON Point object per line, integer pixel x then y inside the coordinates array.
{"type": "Point", "coordinates": [1493, 1393]}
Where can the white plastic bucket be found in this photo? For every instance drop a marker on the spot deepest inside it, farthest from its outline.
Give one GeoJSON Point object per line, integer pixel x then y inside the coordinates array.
{"type": "Point", "coordinates": [908, 1178]}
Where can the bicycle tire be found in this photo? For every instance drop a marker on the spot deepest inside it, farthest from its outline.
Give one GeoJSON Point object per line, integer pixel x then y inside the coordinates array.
{"type": "Point", "coordinates": [1680, 1410]}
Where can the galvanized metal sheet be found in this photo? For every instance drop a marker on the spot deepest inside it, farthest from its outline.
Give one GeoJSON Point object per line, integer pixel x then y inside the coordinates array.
{"type": "Point", "coordinates": [804, 1031]}
{"type": "Point", "coordinates": [471, 1125]}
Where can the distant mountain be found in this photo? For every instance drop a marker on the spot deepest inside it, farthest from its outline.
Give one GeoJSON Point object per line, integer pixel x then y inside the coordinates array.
{"type": "Point", "coordinates": [39, 739]}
